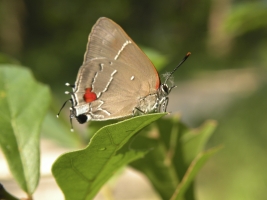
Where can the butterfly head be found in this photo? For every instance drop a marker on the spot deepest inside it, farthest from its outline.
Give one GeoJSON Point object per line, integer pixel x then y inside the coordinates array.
{"type": "Point", "coordinates": [164, 90]}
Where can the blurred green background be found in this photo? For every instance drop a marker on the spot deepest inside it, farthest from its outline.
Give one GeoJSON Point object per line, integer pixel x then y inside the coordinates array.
{"type": "Point", "coordinates": [224, 78]}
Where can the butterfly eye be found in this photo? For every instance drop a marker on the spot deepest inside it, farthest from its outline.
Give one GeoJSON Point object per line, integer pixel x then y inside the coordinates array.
{"type": "Point", "coordinates": [81, 119]}
{"type": "Point", "coordinates": [165, 89]}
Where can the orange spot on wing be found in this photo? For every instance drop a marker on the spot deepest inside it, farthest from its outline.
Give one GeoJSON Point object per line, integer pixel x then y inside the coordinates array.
{"type": "Point", "coordinates": [89, 96]}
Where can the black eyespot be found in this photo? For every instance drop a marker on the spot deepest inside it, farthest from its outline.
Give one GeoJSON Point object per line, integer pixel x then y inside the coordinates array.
{"type": "Point", "coordinates": [81, 119]}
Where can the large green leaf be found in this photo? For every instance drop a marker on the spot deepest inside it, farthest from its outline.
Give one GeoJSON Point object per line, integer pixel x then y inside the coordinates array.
{"type": "Point", "coordinates": [23, 104]}
{"type": "Point", "coordinates": [82, 173]}
{"type": "Point", "coordinates": [177, 151]}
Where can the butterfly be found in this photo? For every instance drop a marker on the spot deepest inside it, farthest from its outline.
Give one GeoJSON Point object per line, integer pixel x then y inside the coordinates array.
{"type": "Point", "coordinates": [116, 79]}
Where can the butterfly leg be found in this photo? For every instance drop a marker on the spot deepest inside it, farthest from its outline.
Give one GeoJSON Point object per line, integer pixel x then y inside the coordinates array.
{"type": "Point", "coordinates": [136, 109]}
{"type": "Point", "coordinates": [163, 104]}
{"type": "Point", "coordinates": [174, 86]}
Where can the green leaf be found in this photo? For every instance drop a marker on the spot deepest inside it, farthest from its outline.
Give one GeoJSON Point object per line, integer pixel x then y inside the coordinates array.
{"type": "Point", "coordinates": [192, 171]}
{"type": "Point", "coordinates": [175, 148]}
{"type": "Point", "coordinates": [156, 166]}
{"type": "Point", "coordinates": [23, 104]}
{"type": "Point", "coordinates": [242, 18]}
{"type": "Point", "coordinates": [195, 140]}
{"type": "Point", "coordinates": [81, 174]}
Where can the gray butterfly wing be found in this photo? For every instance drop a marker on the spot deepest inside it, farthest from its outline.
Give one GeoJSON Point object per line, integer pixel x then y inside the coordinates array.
{"type": "Point", "coordinates": [116, 70]}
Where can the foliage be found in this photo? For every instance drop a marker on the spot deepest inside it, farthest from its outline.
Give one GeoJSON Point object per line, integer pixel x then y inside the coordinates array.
{"type": "Point", "coordinates": [170, 151]}
{"type": "Point", "coordinates": [91, 167]}
{"type": "Point", "coordinates": [176, 156]}
{"type": "Point", "coordinates": [23, 105]}
{"type": "Point", "coordinates": [171, 159]}
{"type": "Point", "coordinates": [242, 19]}
{"type": "Point", "coordinates": [51, 41]}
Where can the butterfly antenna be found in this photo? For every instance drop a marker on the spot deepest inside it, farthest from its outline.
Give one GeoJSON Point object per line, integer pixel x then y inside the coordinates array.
{"type": "Point", "coordinates": [182, 61]}
{"type": "Point", "coordinates": [62, 107]}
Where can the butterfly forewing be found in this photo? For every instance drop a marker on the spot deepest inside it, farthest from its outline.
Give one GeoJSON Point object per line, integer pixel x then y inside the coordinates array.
{"type": "Point", "coordinates": [116, 70]}
{"type": "Point", "coordinates": [108, 40]}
